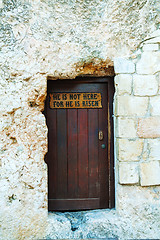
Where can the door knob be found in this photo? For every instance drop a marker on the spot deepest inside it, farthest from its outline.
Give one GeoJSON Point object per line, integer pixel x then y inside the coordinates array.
{"type": "Point", "coordinates": [103, 146]}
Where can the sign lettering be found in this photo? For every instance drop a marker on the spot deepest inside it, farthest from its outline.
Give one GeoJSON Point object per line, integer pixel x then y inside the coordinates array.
{"type": "Point", "coordinates": [75, 100]}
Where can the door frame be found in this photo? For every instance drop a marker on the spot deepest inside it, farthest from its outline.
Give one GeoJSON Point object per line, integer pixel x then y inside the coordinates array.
{"type": "Point", "coordinates": [111, 90]}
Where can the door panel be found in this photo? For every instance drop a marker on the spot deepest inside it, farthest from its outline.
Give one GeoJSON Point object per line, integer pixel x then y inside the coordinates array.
{"type": "Point", "coordinates": [62, 153]}
{"type": "Point", "coordinates": [82, 153]}
{"type": "Point", "coordinates": [79, 166]}
{"type": "Point", "coordinates": [72, 154]}
{"type": "Point", "coordinates": [93, 153]}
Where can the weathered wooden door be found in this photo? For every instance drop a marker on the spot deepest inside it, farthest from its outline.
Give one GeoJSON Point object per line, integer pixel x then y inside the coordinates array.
{"type": "Point", "coordinates": [80, 144]}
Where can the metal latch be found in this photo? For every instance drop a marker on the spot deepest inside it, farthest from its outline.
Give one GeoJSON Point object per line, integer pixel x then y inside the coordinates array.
{"type": "Point", "coordinates": [100, 135]}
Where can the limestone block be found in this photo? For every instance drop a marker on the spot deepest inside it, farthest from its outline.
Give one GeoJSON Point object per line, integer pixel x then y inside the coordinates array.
{"type": "Point", "coordinates": [149, 127]}
{"type": "Point", "coordinates": [126, 127]}
{"type": "Point", "coordinates": [122, 65]}
{"type": "Point", "coordinates": [149, 63]}
{"type": "Point", "coordinates": [158, 79]}
{"type": "Point", "coordinates": [131, 106]}
{"type": "Point", "coordinates": [151, 47]}
{"type": "Point", "coordinates": [150, 173]}
{"type": "Point", "coordinates": [128, 173]}
{"type": "Point", "coordinates": [145, 85]}
{"type": "Point", "coordinates": [155, 106]}
{"type": "Point", "coordinates": [123, 83]}
{"type": "Point", "coordinates": [1, 4]}
{"type": "Point", "coordinates": [155, 39]}
{"type": "Point", "coordinates": [129, 150]}
{"type": "Point", "coordinates": [155, 34]}
{"type": "Point", "coordinates": [154, 149]}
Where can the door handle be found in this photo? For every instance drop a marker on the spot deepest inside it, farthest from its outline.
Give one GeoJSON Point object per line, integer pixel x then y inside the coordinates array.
{"type": "Point", "coordinates": [100, 135]}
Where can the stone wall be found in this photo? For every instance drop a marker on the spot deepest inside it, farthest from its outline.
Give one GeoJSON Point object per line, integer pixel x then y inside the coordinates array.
{"type": "Point", "coordinates": [65, 39]}
{"type": "Point", "coordinates": [137, 111]}
{"type": "Point", "coordinates": [137, 138]}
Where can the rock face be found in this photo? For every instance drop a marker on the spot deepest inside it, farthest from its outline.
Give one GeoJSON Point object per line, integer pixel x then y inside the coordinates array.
{"type": "Point", "coordinates": [105, 223]}
{"type": "Point", "coordinates": [60, 39]}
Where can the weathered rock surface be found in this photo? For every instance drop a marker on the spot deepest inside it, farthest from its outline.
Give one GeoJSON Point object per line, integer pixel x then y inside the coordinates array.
{"type": "Point", "coordinates": [64, 39]}
{"type": "Point", "coordinates": [108, 223]}
{"type": "Point", "coordinates": [55, 37]}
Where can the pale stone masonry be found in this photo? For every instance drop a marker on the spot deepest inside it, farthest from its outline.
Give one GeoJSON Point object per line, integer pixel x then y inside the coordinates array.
{"type": "Point", "coordinates": [127, 106]}
{"type": "Point", "coordinates": [150, 173]}
{"type": "Point", "coordinates": [123, 84]}
{"type": "Point", "coordinates": [122, 65]}
{"type": "Point", "coordinates": [65, 39]}
{"type": "Point", "coordinates": [145, 85]}
{"type": "Point", "coordinates": [1, 4]}
{"type": "Point", "coordinates": [140, 102]}
{"type": "Point", "coordinates": [126, 127]}
{"type": "Point", "coordinates": [129, 149]}
{"type": "Point", "coordinates": [149, 63]}
{"type": "Point", "coordinates": [128, 173]}
{"type": "Point", "coordinates": [155, 105]}
{"type": "Point", "coordinates": [149, 127]}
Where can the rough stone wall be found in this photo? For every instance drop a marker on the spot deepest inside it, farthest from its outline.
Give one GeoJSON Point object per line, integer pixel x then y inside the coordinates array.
{"type": "Point", "coordinates": [64, 39]}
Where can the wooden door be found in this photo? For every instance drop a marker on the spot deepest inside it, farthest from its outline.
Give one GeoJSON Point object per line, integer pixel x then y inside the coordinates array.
{"type": "Point", "coordinates": [80, 144]}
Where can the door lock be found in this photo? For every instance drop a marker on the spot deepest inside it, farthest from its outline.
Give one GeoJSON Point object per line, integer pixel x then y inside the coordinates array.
{"type": "Point", "coordinates": [100, 135]}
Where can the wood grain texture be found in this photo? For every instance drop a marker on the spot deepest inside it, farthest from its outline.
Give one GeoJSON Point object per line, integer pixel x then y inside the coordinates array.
{"type": "Point", "coordinates": [82, 153]}
{"type": "Point", "coordinates": [80, 171]}
{"type": "Point", "coordinates": [72, 154]}
{"type": "Point", "coordinates": [93, 130]}
{"type": "Point", "coordinates": [62, 153]}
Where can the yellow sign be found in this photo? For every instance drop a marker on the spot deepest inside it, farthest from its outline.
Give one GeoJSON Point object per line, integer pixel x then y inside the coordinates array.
{"type": "Point", "coordinates": [75, 100]}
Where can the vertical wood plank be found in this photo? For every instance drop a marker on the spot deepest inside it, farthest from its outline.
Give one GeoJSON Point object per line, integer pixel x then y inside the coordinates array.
{"type": "Point", "coordinates": [93, 152]}
{"type": "Point", "coordinates": [111, 145]}
{"type": "Point", "coordinates": [52, 152]}
{"type": "Point", "coordinates": [72, 153]}
{"type": "Point", "coordinates": [82, 153]}
{"type": "Point", "coordinates": [103, 153]}
{"type": "Point", "coordinates": [62, 152]}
